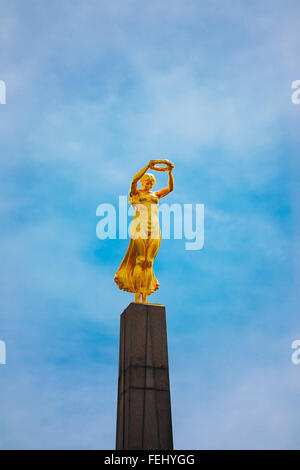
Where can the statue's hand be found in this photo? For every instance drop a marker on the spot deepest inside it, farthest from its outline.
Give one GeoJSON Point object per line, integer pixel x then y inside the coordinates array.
{"type": "Point", "coordinates": [169, 165]}
{"type": "Point", "coordinates": [151, 163]}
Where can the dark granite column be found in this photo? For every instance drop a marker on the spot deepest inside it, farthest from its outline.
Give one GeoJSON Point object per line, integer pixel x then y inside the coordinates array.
{"type": "Point", "coordinates": [144, 406]}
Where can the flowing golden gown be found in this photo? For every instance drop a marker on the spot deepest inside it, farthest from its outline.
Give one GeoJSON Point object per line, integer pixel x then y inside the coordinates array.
{"type": "Point", "coordinates": [144, 244]}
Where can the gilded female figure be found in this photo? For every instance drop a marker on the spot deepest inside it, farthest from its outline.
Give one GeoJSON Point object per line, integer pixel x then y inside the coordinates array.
{"type": "Point", "coordinates": [135, 273]}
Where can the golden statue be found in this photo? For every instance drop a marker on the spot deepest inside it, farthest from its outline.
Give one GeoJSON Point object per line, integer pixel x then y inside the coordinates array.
{"type": "Point", "coordinates": [135, 273]}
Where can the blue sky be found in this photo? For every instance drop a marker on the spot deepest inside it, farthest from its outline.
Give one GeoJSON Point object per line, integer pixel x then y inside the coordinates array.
{"type": "Point", "coordinates": [94, 90]}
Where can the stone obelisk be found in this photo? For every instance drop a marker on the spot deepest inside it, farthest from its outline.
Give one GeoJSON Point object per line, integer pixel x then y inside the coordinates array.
{"type": "Point", "coordinates": [144, 406]}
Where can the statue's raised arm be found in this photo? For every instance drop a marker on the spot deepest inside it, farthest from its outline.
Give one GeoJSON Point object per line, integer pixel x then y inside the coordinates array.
{"type": "Point", "coordinates": [168, 167]}
{"type": "Point", "coordinates": [137, 177]}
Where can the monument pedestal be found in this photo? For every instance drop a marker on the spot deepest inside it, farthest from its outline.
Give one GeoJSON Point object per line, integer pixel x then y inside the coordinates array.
{"type": "Point", "coordinates": [144, 406]}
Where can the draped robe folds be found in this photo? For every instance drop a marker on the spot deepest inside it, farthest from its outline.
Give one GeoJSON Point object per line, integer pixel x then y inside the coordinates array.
{"type": "Point", "coordinates": [145, 229]}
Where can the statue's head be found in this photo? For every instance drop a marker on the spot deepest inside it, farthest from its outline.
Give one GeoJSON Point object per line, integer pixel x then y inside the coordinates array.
{"type": "Point", "coordinates": [147, 181]}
